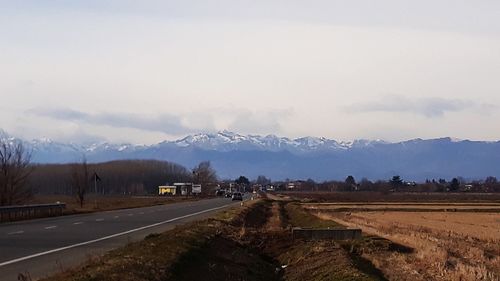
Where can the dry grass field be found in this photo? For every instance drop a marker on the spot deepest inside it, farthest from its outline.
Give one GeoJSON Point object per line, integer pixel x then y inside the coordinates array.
{"type": "Point", "coordinates": [396, 197]}
{"type": "Point", "coordinates": [447, 246]}
{"type": "Point", "coordinates": [409, 207]}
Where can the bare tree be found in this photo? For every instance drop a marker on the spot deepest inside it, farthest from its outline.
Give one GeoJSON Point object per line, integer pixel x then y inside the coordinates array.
{"type": "Point", "coordinates": [205, 175]}
{"type": "Point", "coordinates": [15, 169]}
{"type": "Point", "coordinates": [80, 179]}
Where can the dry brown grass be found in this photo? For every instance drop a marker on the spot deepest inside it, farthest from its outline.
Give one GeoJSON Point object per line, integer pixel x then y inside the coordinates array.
{"type": "Point", "coordinates": [367, 196]}
{"type": "Point", "coordinates": [274, 221]}
{"type": "Point", "coordinates": [482, 226]}
{"type": "Point", "coordinates": [492, 207]}
{"type": "Point", "coordinates": [448, 246]}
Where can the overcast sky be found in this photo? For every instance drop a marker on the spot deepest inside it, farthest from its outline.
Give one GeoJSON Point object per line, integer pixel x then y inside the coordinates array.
{"type": "Point", "coordinates": [146, 71]}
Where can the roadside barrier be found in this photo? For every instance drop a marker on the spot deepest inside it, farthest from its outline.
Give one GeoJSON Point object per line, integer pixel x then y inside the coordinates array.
{"type": "Point", "coordinates": [24, 212]}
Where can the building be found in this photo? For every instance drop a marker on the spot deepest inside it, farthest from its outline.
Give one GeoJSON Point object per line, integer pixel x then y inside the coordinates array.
{"type": "Point", "coordinates": [184, 188]}
{"type": "Point", "coordinates": [178, 188]}
{"type": "Point", "coordinates": [196, 189]}
{"type": "Point", "coordinates": [167, 190]}
{"type": "Point", "coordinates": [294, 185]}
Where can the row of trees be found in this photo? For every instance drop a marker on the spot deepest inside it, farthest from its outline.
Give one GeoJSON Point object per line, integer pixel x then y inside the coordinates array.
{"type": "Point", "coordinates": [115, 177]}
{"type": "Point", "coordinates": [396, 183]}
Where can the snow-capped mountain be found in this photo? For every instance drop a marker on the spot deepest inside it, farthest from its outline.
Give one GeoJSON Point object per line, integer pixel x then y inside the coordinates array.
{"type": "Point", "coordinates": [234, 154]}
{"type": "Point", "coordinates": [223, 141]}
{"type": "Point", "coordinates": [228, 141]}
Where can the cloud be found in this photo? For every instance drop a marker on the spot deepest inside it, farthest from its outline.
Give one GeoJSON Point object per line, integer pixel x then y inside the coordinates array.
{"type": "Point", "coordinates": [428, 107]}
{"type": "Point", "coordinates": [259, 122]}
{"type": "Point", "coordinates": [165, 123]}
{"type": "Point", "coordinates": [235, 119]}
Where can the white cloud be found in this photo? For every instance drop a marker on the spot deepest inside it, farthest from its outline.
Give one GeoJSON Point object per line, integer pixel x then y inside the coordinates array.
{"type": "Point", "coordinates": [259, 122]}
{"type": "Point", "coordinates": [428, 107]}
{"type": "Point", "coordinates": [165, 123]}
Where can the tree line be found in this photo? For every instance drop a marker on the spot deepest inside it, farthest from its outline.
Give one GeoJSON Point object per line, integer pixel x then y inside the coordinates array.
{"type": "Point", "coordinates": [396, 184]}
{"type": "Point", "coordinates": [114, 177]}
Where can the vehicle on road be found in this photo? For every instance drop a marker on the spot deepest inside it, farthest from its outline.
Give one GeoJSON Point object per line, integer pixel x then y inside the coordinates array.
{"type": "Point", "coordinates": [237, 196]}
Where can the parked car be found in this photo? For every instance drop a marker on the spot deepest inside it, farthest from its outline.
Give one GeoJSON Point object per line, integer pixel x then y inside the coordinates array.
{"type": "Point", "coordinates": [228, 195]}
{"type": "Point", "coordinates": [237, 196]}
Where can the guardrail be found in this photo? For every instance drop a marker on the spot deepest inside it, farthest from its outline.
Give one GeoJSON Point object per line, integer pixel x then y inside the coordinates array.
{"type": "Point", "coordinates": [15, 213]}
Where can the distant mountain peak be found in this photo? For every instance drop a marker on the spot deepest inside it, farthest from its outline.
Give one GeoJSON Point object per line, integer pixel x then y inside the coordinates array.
{"type": "Point", "coordinates": [278, 157]}
{"type": "Point", "coordinates": [4, 134]}
{"type": "Point", "coordinates": [226, 141]}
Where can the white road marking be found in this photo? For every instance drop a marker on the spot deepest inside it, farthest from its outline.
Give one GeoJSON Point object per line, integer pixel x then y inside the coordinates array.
{"type": "Point", "coordinates": [141, 213]}
{"type": "Point", "coordinates": [78, 222]}
{"type": "Point", "coordinates": [115, 217]}
{"type": "Point", "coordinates": [108, 237]}
{"type": "Point", "coordinates": [51, 227]}
{"type": "Point", "coordinates": [99, 219]}
{"type": "Point", "coordinates": [16, 232]}
{"type": "Point", "coordinates": [130, 215]}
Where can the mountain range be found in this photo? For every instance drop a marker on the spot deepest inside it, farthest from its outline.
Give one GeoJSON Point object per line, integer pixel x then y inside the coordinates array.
{"type": "Point", "coordinates": [279, 158]}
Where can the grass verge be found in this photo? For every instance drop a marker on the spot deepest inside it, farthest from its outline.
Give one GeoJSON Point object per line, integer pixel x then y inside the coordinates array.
{"type": "Point", "coordinates": [106, 203]}
{"type": "Point", "coordinates": [297, 216]}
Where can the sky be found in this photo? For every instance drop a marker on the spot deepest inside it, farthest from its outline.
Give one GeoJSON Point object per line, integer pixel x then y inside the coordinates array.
{"type": "Point", "coordinates": [147, 71]}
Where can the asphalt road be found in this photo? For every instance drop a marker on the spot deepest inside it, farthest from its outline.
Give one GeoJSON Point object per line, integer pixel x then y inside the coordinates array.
{"type": "Point", "coordinates": [44, 246]}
